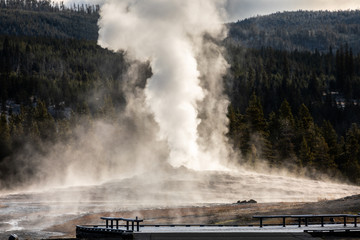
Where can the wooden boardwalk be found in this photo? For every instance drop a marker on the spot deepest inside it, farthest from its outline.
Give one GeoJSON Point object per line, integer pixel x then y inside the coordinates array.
{"type": "Point", "coordinates": [222, 236]}
{"type": "Point", "coordinates": [314, 226]}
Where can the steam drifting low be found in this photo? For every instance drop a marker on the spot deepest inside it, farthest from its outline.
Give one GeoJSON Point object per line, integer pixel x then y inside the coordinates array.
{"type": "Point", "coordinates": [179, 118]}
{"type": "Point", "coordinates": [185, 92]}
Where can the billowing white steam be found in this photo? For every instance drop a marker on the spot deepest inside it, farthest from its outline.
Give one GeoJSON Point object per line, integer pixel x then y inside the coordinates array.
{"type": "Point", "coordinates": [185, 92]}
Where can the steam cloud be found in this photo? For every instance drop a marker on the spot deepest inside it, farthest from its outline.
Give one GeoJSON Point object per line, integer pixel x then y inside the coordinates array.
{"type": "Point", "coordinates": [185, 92]}
{"type": "Point", "coordinates": [178, 118]}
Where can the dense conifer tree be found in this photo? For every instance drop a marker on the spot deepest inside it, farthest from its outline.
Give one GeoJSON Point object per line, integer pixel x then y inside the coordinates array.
{"type": "Point", "coordinates": [4, 137]}
{"type": "Point", "coordinates": [351, 163]}
{"type": "Point", "coordinates": [286, 132]}
{"type": "Point", "coordinates": [305, 156]}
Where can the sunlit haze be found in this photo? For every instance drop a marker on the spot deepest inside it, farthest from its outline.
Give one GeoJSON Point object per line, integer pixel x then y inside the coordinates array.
{"type": "Point", "coordinates": [166, 103]}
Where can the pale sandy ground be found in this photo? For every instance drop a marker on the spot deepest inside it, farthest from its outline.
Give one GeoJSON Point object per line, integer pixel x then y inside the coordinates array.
{"type": "Point", "coordinates": [218, 214]}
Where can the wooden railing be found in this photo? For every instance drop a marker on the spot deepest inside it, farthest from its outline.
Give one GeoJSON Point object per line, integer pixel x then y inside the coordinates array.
{"type": "Point", "coordinates": [110, 222]}
{"type": "Point", "coordinates": [307, 217]}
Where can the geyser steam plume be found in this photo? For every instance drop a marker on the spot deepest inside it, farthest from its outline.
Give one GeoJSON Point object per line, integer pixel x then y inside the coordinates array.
{"type": "Point", "coordinates": [185, 92]}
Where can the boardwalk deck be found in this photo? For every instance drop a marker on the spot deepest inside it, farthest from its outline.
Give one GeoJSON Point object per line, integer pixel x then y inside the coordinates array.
{"type": "Point", "coordinates": [112, 229]}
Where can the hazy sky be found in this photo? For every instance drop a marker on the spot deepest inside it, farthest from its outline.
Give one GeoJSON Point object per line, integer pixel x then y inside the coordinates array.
{"type": "Point", "coordinates": [240, 9]}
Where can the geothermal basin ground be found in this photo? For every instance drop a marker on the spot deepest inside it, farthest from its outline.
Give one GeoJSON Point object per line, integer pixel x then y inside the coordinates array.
{"type": "Point", "coordinates": [176, 196]}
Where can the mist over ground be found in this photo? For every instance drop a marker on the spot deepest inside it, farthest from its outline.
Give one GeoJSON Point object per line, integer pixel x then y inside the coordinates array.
{"type": "Point", "coordinates": [167, 144]}
{"type": "Point", "coordinates": [174, 118]}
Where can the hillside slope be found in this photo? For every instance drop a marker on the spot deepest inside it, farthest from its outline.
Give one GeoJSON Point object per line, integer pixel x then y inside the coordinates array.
{"type": "Point", "coordinates": [301, 30]}
{"type": "Point", "coordinates": [49, 22]}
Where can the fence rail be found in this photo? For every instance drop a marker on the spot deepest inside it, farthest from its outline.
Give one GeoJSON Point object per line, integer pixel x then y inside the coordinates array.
{"type": "Point", "coordinates": [110, 222]}
{"type": "Point", "coordinates": [307, 217]}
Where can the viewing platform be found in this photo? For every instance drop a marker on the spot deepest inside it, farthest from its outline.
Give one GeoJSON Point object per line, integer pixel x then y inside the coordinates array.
{"type": "Point", "coordinates": [314, 226]}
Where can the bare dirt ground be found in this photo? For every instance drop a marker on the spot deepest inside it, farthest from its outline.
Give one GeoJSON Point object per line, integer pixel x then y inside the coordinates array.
{"type": "Point", "coordinates": [217, 214]}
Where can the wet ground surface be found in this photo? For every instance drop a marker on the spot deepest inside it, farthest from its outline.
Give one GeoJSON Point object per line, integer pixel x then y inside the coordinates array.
{"type": "Point", "coordinates": [41, 214]}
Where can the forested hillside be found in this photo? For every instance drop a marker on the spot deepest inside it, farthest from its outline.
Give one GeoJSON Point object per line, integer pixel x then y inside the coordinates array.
{"type": "Point", "coordinates": [53, 78]}
{"type": "Point", "coordinates": [291, 108]}
{"type": "Point", "coordinates": [296, 109]}
{"type": "Point", "coordinates": [42, 18]}
{"type": "Point", "coordinates": [294, 89]}
{"type": "Point", "coordinates": [302, 30]}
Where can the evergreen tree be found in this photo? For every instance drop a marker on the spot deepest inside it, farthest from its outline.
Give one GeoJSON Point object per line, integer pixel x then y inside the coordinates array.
{"type": "Point", "coordinates": [4, 137]}
{"type": "Point", "coordinates": [16, 126]}
{"type": "Point", "coordinates": [34, 132]}
{"type": "Point", "coordinates": [285, 145]}
{"type": "Point", "coordinates": [315, 87]}
{"type": "Point", "coordinates": [255, 116]}
{"type": "Point", "coordinates": [331, 138]}
{"type": "Point", "coordinates": [306, 126]}
{"type": "Point", "coordinates": [305, 155]}
{"type": "Point", "coordinates": [274, 136]}
{"type": "Point", "coordinates": [285, 114]}
{"type": "Point", "coordinates": [351, 165]}
{"type": "Point", "coordinates": [305, 119]}
{"type": "Point", "coordinates": [244, 136]}
{"type": "Point", "coordinates": [322, 160]}
{"type": "Point", "coordinates": [44, 121]}
{"type": "Point", "coordinates": [234, 126]}
{"type": "Point", "coordinates": [258, 131]}
{"type": "Point", "coordinates": [64, 131]}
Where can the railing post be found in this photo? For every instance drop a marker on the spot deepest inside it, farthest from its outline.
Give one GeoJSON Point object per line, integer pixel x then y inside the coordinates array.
{"type": "Point", "coordinates": [299, 222]}
{"type": "Point", "coordinates": [306, 221]}
{"type": "Point", "coordinates": [322, 221]}
{"type": "Point", "coordinates": [284, 221]}
{"type": "Point", "coordinates": [355, 221]}
{"type": "Point", "coordinates": [344, 221]}
{"type": "Point", "coordinates": [107, 223]}
{"type": "Point", "coordinates": [261, 222]}
{"type": "Point", "coordinates": [137, 224]}
{"type": "Point", "coordinates": [127, 225]}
